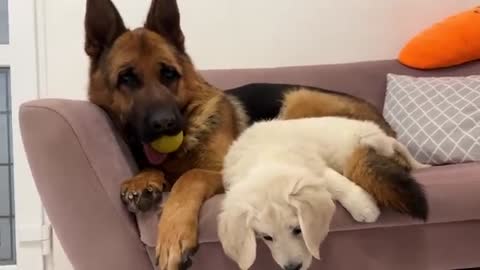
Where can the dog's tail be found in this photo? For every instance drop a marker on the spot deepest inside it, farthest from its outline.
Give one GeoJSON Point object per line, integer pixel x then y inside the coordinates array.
{"type": "Point", "coordinates": [389, 181]}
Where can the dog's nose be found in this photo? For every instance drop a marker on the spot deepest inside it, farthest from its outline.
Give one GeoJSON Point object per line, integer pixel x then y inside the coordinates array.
{"type": "Point", "coordinates": [164, 123]}
{"type": "Point", "coordinates": [293, 266]}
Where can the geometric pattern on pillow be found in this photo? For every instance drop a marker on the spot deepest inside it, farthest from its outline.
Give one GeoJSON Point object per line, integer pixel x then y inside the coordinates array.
{"type": "Point", "coordinates": [437, 118]}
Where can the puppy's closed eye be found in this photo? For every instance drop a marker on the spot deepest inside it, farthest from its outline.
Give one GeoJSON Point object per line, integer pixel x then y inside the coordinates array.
{"type": "Point", "coordinates": [265, 236]}
{"type": "Point", "coordinates": [268, 238]}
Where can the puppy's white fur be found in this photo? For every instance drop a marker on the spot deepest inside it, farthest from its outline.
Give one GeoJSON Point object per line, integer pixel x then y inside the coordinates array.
{"type": "Point", "coordinates": [283, 175]}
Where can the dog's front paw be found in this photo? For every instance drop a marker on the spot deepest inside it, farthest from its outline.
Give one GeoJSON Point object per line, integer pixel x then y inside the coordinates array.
{"type": "Point", "coordinates": [144, 191]}
{"type": "Point", "coordinates": [362, 207]}
{"type": "Point", "coordinates": [177, 240]}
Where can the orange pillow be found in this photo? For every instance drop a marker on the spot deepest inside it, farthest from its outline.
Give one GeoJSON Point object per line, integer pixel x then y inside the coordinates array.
{"type": "Point", "coordinates": [453, 41]}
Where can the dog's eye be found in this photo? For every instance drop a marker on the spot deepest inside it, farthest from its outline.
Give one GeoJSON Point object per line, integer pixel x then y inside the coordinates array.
{"type": "Point", "coordinates": [128, 78]}
{"type": "Point", "coordinates": [296, 231]}
{"type": "Point", "coordinates": [268, 238]}
{"type": "Point", "coordinates": [169, 74]}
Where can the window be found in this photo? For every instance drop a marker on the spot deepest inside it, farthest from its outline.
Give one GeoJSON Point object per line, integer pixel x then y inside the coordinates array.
{"type": "Point", "coordinates": [4, 22]}
{"type": "Point", "coordinates": [7, 215]}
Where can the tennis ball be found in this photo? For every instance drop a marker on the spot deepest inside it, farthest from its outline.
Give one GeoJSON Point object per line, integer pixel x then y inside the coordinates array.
{"type": "Point", "coordinates": [168, 144]}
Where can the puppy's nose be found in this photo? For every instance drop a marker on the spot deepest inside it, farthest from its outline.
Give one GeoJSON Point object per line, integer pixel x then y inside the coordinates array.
{"type": "Point", "coordinates": [293, 266]}
{"type": "Point", "coordinates": [164, 123]}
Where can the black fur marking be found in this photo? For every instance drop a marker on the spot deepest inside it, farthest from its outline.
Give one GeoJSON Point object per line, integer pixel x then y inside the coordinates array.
{"type": "Point", "coordinates": [263, 101]}
{"type": "Point", "coordinates": [186, 261]}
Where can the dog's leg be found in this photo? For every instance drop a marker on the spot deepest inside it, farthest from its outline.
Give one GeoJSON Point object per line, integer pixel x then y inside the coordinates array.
{"type": "Point", "coordinates": [387, 146]}
{"type": "Point", "coordinates": [380, 142]}
{"type": "Point", "coordinates": [144, 190]}
{"type": "Point", "coordinates": [388, 180]}
{"type": "Point", "coordinates": [357, 201]}
{"type": "Point", "coordinates": [178, 225]}
{"type": "Point", "coordinates": [402, 149]}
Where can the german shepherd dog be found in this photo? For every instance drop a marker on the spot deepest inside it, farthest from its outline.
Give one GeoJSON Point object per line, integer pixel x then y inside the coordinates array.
{"type": "Point", "coordinates": [147, 84]}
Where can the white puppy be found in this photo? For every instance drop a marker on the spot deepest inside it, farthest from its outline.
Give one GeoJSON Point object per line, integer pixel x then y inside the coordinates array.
{"type": "Point", "coordinates": [281, 178]}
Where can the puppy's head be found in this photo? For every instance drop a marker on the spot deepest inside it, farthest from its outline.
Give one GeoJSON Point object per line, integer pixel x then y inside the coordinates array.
{"type": "Point", "coordinates": [290, 212]}
{"type": "Point", "coordinates": [140, 77]}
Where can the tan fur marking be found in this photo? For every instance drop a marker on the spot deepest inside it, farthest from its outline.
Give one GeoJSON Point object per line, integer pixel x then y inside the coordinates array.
{"type": "Point", "coordinates": [302, 102]}
{"type": "Point", "coordinates": [204, 116]}
{"type": "Point", "coordinates": [361, 172]}
{"type": "Point", "coordinates": [240, 115]}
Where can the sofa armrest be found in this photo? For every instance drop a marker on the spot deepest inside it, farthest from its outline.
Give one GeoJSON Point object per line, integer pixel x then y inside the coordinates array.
{"type": "Point", "coordinates": [78, 163]}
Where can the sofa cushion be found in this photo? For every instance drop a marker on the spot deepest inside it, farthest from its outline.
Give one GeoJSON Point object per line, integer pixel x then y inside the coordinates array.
{"type": "Point", "coordinates": [436, 118]}
{"type": "Point", "coordinates": [452, 41]}
{"type": "Point", "coordinates": [452, 193]}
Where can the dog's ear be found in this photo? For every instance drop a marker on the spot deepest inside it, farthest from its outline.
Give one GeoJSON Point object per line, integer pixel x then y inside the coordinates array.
{"type": "Point", "coordinates": [315, 209]}
{"type": "Point", "coordinates": [103, 25]}
{"type": "Point", "coordinates": [236, 236]}
{"type": "Point", "coordinates": [164, 19]}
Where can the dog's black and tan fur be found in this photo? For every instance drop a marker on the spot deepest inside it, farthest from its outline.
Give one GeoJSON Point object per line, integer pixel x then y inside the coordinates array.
{"type": "Point", "coordinates": [146, 82]}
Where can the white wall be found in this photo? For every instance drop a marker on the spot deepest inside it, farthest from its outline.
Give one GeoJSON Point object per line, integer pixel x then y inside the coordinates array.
{"type": "Point", "coordinates": [249, 33]}
{"type": "Point", "coordinates": [253, 33]}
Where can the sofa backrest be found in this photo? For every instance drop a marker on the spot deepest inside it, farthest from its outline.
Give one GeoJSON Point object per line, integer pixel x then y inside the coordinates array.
{"type": "Point", "coordinates": [366, 80]}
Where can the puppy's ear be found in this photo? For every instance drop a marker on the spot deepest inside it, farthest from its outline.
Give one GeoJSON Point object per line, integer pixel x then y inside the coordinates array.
{"type": "Point", "coordinates": [164, 19]}
{"type": "Point", "coordinates": [315, 209]}
{"type": "Point", "coordinates": [103, 25]}
{"type": "Point", "coordinates": [236, 236]}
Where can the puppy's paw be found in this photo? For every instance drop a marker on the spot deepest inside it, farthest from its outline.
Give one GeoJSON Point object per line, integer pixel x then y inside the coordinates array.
{"type": "Point", "coordinates": [362, 207]}
{"type": "Point", "coordinates": [368, 214]}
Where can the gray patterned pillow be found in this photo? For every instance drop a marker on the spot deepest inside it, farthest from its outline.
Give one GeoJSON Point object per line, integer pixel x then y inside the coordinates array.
{"type": "Point", "coordinates": [437, 118]}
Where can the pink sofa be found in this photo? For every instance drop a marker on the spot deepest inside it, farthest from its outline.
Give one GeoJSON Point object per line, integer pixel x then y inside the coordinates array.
{"type": "Point", "coordinates": [78, 163]}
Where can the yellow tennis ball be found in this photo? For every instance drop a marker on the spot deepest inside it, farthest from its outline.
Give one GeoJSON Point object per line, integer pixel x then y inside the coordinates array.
{"type": "Point", "coordinates": [168, 144]}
